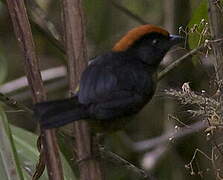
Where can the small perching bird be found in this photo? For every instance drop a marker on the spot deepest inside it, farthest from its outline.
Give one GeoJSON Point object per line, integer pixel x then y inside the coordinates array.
{"type": "Point", "coordinates": [116, 84]}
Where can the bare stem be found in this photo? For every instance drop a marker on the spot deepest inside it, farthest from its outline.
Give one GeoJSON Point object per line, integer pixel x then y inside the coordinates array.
{"type": "Point", "coordinates": [23, 34]}
{"type": "Point", "coordinates": [77, 61]}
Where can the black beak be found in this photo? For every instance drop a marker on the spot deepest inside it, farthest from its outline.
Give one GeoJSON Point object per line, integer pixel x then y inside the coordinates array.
{"type": "Point", "coordinates": [175, 39]}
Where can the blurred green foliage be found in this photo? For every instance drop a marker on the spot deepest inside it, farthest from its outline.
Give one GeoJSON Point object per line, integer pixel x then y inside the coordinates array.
{"type": "Point", "coordinates": [197, 25]}
{"type": "Point", "coordinates": [25, 143]}
{"type": "Point", "coordinates": [9, 163]}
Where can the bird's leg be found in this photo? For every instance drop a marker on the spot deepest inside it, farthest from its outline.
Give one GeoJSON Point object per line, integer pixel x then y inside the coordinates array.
{"type": "Point", "coordinates": [97, 141]}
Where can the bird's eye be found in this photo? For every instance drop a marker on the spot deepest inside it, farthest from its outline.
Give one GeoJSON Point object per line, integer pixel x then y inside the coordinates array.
{"type": "Point", "coordinates": [155, 41]}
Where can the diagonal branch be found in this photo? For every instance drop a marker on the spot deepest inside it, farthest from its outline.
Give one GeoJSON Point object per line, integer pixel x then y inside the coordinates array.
{"type": "Point", "coordinates": [113, 157]}
{"type": "Point", "coordinates": [165, 138]}
{"type": "Point", "coordinates": [23, 34]}
{"type": "Point", "coordinates": [178, 62]}
{"type": "Point", "coordinates": [40, 21]}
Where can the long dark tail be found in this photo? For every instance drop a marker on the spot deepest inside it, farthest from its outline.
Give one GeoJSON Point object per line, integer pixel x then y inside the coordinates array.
{"type": "Point", "coordinates": [53, 114]}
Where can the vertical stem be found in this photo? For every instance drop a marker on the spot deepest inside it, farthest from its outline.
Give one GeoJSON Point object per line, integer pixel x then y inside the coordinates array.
{"type": "Point", "coordinates": [77, 60]}
{"type": "Point", "coordinates": [216, 25]}
{"type": "Point", "coordinates": [23, 34]}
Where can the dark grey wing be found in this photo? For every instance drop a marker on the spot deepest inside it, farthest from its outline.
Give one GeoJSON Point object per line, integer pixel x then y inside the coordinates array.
{"type": "Point", "coordinates": [97, 83]}
{"type": "Point", "coordinates": [109, 78]}
{"type": "Point", "coordinates": [115, 91]}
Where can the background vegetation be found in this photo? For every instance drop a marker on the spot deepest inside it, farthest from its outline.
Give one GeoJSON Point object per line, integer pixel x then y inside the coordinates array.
{"type": "Point", "coordinates": [169, 138]}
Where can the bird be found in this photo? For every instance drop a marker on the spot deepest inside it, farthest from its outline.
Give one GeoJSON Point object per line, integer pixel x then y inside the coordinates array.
{"type": "Point", "coordinates": [116, 84]}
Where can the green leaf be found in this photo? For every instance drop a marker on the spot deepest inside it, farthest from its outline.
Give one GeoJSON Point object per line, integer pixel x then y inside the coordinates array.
{"type": "Point", "coordinates": [25, 142]}
{"type": "Point", "coordinates": [98, 10]}
{"type": "Point", "coordinates": [9, 164]}
{"type": "Point", "coordinates": [200, 14]}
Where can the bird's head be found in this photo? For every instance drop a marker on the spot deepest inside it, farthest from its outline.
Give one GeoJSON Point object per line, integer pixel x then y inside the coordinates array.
{"type": "Point", "coordinates": [148, 42]}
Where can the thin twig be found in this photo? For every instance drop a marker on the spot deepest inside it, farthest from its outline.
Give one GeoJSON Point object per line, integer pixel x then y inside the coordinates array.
{"type": "Point", "coordinates": [194, 156]}
{"type": "Point", "coordinates": [179, 61]}
{"type": "Point", "coordinates": [108, 155]}
{"type": "Point", "coordinates": [14, 104]}
{"type": "Point", "coordinates": [23, 34]}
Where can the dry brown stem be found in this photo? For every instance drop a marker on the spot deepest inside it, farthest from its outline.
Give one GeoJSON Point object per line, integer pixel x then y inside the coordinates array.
{"type": "Point", "coordinates": [23, 34]}
{"type": "Point", "coordinates": [75, 41]}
